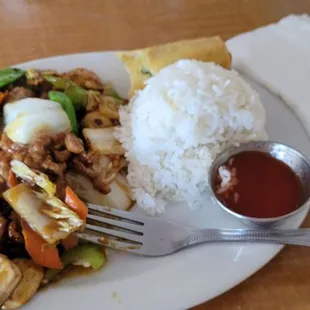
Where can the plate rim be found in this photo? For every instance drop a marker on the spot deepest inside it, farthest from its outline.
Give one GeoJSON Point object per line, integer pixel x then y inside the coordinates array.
{"type": "Point", "coordinates": [275, 248]}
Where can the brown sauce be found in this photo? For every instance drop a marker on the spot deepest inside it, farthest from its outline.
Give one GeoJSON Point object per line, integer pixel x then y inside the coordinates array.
{"type": "Point", "coordinates": [261, 186]}
{"type": "Point", "coordinates": [70, 272]}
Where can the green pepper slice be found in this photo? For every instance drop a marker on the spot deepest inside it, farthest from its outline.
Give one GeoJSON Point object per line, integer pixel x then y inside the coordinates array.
{"type": "Point", "coordinates": [76, 93]}
{"type": "Point", "coordinates": [10, 75]}
{"type": "Point", "coordinates": [67, 105]}
{"type": "Point", "coordinates": [87, 255]}
{"type": "Point", "coordinates": [58, 82]}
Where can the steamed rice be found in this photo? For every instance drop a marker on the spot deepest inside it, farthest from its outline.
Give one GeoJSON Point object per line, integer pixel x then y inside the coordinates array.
{"type": "Point", "coordinates": [173, 129]}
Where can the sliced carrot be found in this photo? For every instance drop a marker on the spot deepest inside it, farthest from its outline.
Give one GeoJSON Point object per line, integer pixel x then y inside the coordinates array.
{"type": "Point", "coordinates": [75, 204]}
{"type": "Point", "coordinates": [12, 180]}
{"type": "Point", "coordinates": [41, 252]}
{"type": "Point", "coordinates": [70, 242]}
{"type": "Point", "coordinates": [2, 96]}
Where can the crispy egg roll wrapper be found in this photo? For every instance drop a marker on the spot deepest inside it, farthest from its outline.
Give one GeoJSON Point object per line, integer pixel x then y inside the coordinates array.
{"type": "Point", "coordinates": [143, 63]}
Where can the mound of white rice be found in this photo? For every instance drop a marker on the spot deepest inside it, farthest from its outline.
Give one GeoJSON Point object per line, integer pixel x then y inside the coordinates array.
{"type": "Point", "coordinates": [173, 129]}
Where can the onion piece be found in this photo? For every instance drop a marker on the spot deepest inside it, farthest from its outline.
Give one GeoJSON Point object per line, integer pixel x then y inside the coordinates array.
{"type": "Point", "coordinates": [103, 140]}
{"type": "Point", "coordinates": [27, 106]}
{"type": "Point", "coordinates": [26, 128]}
{"type": "Point", "coordinates": [120, 196]}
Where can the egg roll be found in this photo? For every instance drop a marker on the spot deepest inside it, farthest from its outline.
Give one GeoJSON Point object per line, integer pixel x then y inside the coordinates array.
{"type": "Point", "coordinates": [144, 63]}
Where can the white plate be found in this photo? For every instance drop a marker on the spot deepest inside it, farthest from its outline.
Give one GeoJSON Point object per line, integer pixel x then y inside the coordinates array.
{"type": "Point", "coordinates": [191, 276]}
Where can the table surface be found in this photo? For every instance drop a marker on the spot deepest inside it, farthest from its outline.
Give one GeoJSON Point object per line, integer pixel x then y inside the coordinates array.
{"type": "Point", "coordinates": [33, 29]}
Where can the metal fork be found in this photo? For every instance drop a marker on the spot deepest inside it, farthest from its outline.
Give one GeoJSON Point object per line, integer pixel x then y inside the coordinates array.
{"type": "Point", "coordinates": [151, 236]}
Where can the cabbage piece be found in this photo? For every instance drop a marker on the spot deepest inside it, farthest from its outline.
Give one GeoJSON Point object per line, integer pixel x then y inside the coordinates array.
{"type": "Point", "coordinates": [120, 196]}
{"type": "Point", "coordinates": [47, 216]}
{"type": "Point", "coordinates": [40, 179]}
{"type": "Point", "coordinates": [9, 278]}
{"type": "Point", "coordinates": [103, 140]}
{"type": "Point", "coordinates": [32, 275]}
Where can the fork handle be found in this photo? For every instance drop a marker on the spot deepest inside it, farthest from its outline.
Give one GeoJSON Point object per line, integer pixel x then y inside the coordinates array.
{"type": "Point", "coordinates": [278, 236]}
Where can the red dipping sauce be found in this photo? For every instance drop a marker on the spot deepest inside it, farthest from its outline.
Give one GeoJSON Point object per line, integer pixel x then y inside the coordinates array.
{"type": "Point", "coordinates": [260, 186]}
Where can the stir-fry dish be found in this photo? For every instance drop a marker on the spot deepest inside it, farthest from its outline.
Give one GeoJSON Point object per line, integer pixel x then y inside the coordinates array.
{"type": "Point", "coordinates": [57, 152]}
{"type": "Point", "coordinates": [69, 139]}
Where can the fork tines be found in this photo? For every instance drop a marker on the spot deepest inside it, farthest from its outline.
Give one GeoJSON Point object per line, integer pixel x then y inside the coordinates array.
{"type": "Point", "coordinates": [112, 227]}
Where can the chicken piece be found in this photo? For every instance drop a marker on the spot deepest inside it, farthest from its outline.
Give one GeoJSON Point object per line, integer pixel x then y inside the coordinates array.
{"type": "Point", "coordinates": [101, 186]}
{"type": "Point", "coordinates": [5, 159]}
{"type": "Point", "coordinates": [6, 143]}
{"type": "Point", "coordinates": [92, 157]}
{"type": "Point", "coordinates": [62, 155]}
{"type": "Point", "coordinates": [93, 100]}
{"type": "Point", "coordinates": [85, 78]}
{"type": "Point", "coordinates": [10, 276]}
{"type": "Point", "coordinates": [3, 226]}
{"type": "Point", "coordinates": [95, 119]}
{"type": "Point", "coordinates": [34, 77]}
{"type": "Point", "coordinates": [74, 144]}
{"type": "Point", "coordinates": [14, 234]}
{"type": "Point", "coordinates": [41, 144]}
{"type": "Point", "coordinates": [57, 168]}
{"type": "Point", "coordinates": [61, 185]}
{"type": "Point", "coordinates": [110, 107]}
{"type": "Point", "coordinates": [44, 95]}
{"type": "Point", "coordinates": [18, 93]}
{"type": "Point", "coordinates": [19, 155]}
{"type": "Point", "coordinates": [34, 161]}
{"type": "Point", "coordinates": [118, 162]}
{"type": "Point", "coordinates": [32, 275]}
{"type": "Point", "coordinates": [109, 166]}
{"type": "Point", "coordinates": [81, 165]}
{"type": "Point", "coordinates": [59, 138]}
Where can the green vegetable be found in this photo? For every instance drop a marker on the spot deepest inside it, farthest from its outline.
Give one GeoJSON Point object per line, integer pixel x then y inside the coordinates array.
{"type": "Point", "coordinates": [67, 105]}
{"type": "Point", "coordinates": [58, 82]}
{"type": "Point", "coordinates": [144, 71]}
{"type": "Point", "coordinates": [76, 93]}
{"type": "Point", "coordinates": [10, 75]}
{"type": "Point", "coordinates": [87, 255]}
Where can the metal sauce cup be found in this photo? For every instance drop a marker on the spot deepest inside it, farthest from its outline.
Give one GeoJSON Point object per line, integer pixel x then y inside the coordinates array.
{"type": "Point", "coordinates": [290, 156]}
